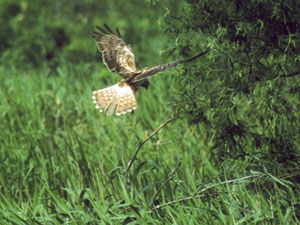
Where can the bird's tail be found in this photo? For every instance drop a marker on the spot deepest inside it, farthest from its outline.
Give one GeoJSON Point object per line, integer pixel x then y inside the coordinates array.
{"type": "Point", "coordinates": [147, 72]}
{"type": "Point", "coordinates": [118, 98]}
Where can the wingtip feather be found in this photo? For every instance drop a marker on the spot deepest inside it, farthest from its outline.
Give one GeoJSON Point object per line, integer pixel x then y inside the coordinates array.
{"type": "Point", "coordinates": [118, 32]}
{"type": "Point", "coordinates": [108, 28]}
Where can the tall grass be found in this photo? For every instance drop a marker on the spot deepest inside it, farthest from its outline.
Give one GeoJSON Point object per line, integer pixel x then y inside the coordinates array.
{"type": "Point", "coordinates": [63, 162]}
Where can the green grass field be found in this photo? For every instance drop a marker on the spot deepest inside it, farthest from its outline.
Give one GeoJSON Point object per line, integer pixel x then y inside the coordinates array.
{"type": "Point", "coordinates": [63, 162]}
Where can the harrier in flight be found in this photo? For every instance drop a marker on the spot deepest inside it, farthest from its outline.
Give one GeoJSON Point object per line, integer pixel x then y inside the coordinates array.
{"type": "Point", "coordinates": [119, 58]}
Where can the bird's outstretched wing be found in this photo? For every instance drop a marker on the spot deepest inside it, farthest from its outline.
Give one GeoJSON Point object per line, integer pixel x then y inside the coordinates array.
{"type": "Point", "coordinates": [117, 56]}
{"type": "Point", "coordinates": [147, 72]}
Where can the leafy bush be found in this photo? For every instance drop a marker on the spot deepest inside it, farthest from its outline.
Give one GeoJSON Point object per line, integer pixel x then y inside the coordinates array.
{"type": "Point", "coordinates": [244, 94]}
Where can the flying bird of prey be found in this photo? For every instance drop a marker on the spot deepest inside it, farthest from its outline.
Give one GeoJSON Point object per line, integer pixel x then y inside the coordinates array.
{"type": "Point", "coordinates": [119, 58]}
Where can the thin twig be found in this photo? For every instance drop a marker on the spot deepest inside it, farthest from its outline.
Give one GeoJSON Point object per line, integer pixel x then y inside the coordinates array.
{"type": "Point", "coordinates": [176, 201]}
{"type": "Point", "coordinates": [143, 142]}
{"type": "Point", "coordinates": [250, 66]}
{"type": "Point", "coordinates": [290, 74]}
{"type": "Point", "coordinates": [185, 199]}
{"type": "Point", "coordinates": [227, 182]}
{"type": "Point", "coordinates": [238, 207]}
{"type": "Point", "coordinates": [197, 194]}
{"type": "Point", "coordinates": [165, 183]}
{"type": "Point", "coordinates": [203, 185]}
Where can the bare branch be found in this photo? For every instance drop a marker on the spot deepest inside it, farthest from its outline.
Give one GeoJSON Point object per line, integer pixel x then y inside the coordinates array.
{"type": "Point", "coordinates": [198, 195]}
{"type": "Point", "coordinates": [250, 65]}
{"type": "Point", "coordinates": [227, 182]}
{"type": "Point", "coordinates": [143, 142]}
{"type": "Point", "coordinates": [238, 207]}
{"type": "Point", "coordinates": [290, 74]}
{"type": "Point", "coordinates": [185, 199]}
{"type": "Point", "coordinates": [176, 201]}
{"type": "Point", "coordinates": [165, 183]}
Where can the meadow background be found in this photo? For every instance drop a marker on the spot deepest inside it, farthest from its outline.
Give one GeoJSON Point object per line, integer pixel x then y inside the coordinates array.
{"type": "Point", "coordinates": [231, 153]}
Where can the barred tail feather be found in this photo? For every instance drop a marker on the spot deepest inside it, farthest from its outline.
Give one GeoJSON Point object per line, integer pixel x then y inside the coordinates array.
{"type": "Point", "coordinates": [118, 98]}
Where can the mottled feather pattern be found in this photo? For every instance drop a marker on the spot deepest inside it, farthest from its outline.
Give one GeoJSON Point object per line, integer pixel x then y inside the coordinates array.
{"type": "Point", "coordinates": [147, 72]}
{"type": "Point", "coordinates": [104, 97]}
{"type": "Point", "coordinates": [109, 53]}
{"type": "Point", "coordinates": [118, 57]}
{"type": "Point", "coordinates": [119, 98]}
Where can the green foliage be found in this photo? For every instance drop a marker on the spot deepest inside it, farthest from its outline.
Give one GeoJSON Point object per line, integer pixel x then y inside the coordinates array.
{"type": "Point", "coordinates": [244, 94]}
{"type": "Point", "coordinates": [37, 32]}
{"type": "Point", "coordinates": [63, 162]}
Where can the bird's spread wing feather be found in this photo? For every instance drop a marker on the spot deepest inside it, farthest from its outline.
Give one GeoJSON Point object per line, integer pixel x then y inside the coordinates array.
{"type": "Point", "coordinates": [117, 56]}
{"type": "Point", "coordinates": [147, 72]}
{"type": "Point", "coordinates": [119, 98]}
